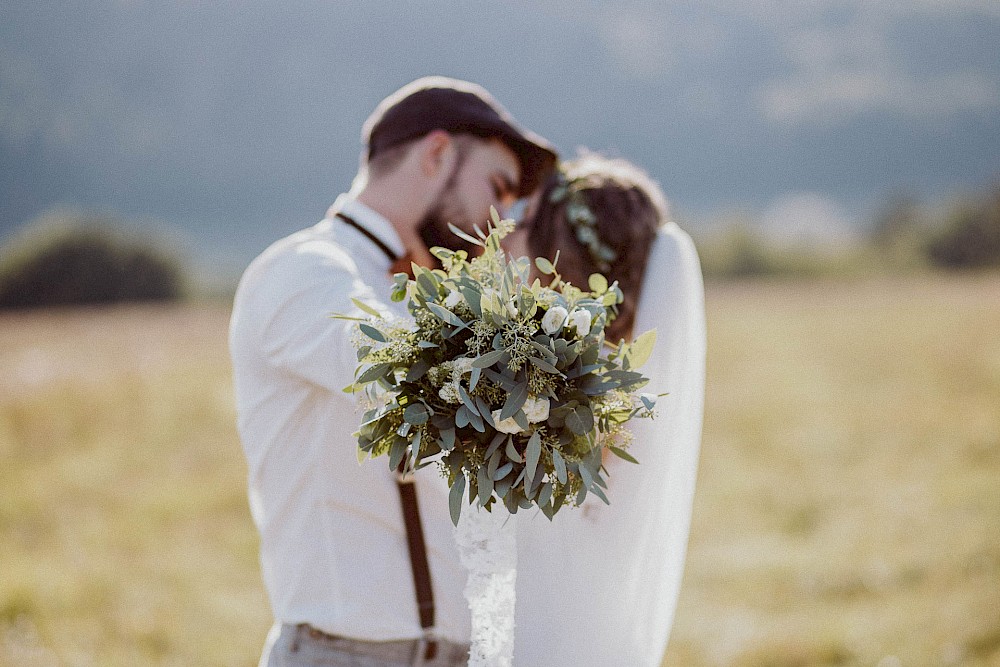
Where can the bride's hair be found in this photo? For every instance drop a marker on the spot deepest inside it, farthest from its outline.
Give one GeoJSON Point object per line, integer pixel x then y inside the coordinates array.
{"type": "Point", "coordinates": [626, 206]}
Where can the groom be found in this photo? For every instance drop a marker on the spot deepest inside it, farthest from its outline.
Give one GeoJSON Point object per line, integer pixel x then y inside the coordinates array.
{"type": "Point", "coordinates": [334, 546]}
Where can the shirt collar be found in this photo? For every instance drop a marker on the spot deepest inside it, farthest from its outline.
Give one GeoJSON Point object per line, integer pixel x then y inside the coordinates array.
{"type": "Point", "coordinates": [373, 221]}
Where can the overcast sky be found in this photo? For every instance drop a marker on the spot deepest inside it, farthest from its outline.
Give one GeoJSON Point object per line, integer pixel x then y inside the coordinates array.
{"type": "Point", "coordinates": [239, 121]}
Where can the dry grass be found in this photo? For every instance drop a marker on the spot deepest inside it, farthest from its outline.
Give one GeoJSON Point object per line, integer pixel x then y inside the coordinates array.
{"type": "Point", "coordinates": [848, 508]}
{"type": "Point", "coordinates": [126, 534]}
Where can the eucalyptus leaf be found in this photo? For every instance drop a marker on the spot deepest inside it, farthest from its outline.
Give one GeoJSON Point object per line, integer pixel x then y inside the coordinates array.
{"type": "Point", "coordinates": [532, 453]}
{"type": "Point", "coordinates": [598, 283]}
{"type": "Point", "coordinates": [503, 470]}
{"type": "Point", "coordinates": [515, 400]}
{"type": "Point", "coordinates": [485, 484]}
{"type": "Point", "coordinates": [485, 412]}
{"type": "Point", "coordinates": [621, 453]}
{"type": "Point", "coordinates": [580, 420]}
{"type": "Point", "coordinates": [641, 348]}
{"type": "Point", "coordinates": [455, 498]}
{"type": "Point", "coordinates": [477, 422]}
{"type": "Point", "coordinates": [445, 315]}
{"type": "Point", "coordinates": [545, 366]}
{"type": "Point", "coordinates": [416, 414]}
{"type": "Point", "coordinates": [559, 464]}
{"type": "Point", "coordinates": [417, 370]}
{"type": "Point", "coordinates": [502, 486]}
{"type": "Point", "coordinates": [545, 266]}
{"type": "Point", "coordinates": [447, 439]}
{"type": "Point", "coordinates": [365, 307]}
{"type": "Point", "coordinates": [545, 494]}
{"type": "Point", "coordinates": [462, 235]}
{"type": "Point", "coordinates": [512, 453]}
{"type": "Point", "coordinates": [372, 332]}
{"type": "Point", "coordinates": [493, 463]}
{"type": "Point", "coordinates": [396, 452]}
{"type": "Point", "coordinates": [585, 475]}
{"type": "Point", "coordinates": [374, 373]}
{"type": "Point", "coordinates": [472, 298]}
{"type": "Point", "coordinates": [490, 358]}
{"type": "Point", "coordinates": [495, 444]}
{"type": "Point", "coordinates": [596, 490]}
{"type": "Point", "coordinates": [467, 400]}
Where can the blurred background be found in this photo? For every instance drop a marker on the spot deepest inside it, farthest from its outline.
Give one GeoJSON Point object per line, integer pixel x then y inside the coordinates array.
{"type": "Point", "coordinates": [837, 162]}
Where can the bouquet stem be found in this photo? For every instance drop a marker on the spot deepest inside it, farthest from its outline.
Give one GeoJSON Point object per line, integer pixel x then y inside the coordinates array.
{"type": "Point", "coordinates": [488, 549]}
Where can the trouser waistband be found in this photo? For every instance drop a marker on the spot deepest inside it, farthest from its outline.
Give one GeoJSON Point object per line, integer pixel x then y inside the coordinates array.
{"type": "Point", "coordinates": [410, 651]}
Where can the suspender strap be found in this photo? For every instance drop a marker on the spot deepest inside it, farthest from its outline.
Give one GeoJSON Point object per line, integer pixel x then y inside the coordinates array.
{"type": "Point", "coordinates": [371, 237]}
{"type": "Point", "coordinates": [411, 511]}
{"type": "Point", "coordinates": [418, 558]}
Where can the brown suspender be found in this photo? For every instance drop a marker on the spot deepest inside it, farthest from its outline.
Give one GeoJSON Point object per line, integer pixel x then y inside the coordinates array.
{"type": "Point", "coordinates": [418, 558]}
{"type": "Point", "coordinates": [411, 511]}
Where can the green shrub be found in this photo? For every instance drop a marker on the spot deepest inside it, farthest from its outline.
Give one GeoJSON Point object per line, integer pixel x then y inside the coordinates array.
{"type": "Point", "coordinates": [69, 259]}
{"type": "Point", "coordinates": [737, 253]}
{"type": "Point", "coordinates": [971, 236]}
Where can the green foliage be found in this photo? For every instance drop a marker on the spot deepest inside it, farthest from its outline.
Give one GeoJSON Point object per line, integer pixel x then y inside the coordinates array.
{"type": "Point", "coordinates": [971, 235]}
{"type": "Point", "coordinates": [505, 383]}
{"type": "Point", "coordinates": [905, 236]}
{"type": "Point", "coordinates": [739, 253]}
{"type": "Point", "coordinates": [71, 259]}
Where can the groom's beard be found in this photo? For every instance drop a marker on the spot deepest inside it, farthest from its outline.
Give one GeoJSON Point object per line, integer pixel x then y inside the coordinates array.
{"type": "Point", "coordinates": [434, 232]}
{"type": "Point", "coordinates": [434, 227]}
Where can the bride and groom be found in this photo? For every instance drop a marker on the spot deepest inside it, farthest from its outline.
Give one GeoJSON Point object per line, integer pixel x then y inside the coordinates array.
{"type": "Point", "coordinates": [349, 580]}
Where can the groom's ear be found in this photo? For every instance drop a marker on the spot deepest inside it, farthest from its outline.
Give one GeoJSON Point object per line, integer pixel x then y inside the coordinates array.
{"type": "Point", "coordinates": [437, 153]}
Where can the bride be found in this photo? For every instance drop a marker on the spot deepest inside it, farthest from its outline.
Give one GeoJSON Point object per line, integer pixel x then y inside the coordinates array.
{"type": "Point", "coordinates": [598, 584]}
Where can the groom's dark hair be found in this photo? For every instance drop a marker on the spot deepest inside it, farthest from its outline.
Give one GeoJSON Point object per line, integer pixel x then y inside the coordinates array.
{"type": "Point", "coordinates": [458, 107]}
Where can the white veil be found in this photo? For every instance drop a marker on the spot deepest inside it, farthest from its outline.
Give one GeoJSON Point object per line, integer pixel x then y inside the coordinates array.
{"type": "Point", "coordinates": [599, 584]}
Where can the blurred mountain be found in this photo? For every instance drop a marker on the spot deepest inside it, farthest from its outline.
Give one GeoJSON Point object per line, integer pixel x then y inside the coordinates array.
{"type": "Point", "coordinates": [237, 122]}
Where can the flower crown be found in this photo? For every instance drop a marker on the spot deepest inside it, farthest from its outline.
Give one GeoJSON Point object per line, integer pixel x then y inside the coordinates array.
{"type": "Point", "coordinates": [582, 219]}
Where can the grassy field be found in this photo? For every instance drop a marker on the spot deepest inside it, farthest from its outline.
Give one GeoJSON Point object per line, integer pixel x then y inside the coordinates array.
{"type": "Point", "coordinates": [847, 513]}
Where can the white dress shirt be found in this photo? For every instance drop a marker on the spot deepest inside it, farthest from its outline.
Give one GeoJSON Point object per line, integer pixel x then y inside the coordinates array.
{"type": "Point", "coordinates": [333, 544]}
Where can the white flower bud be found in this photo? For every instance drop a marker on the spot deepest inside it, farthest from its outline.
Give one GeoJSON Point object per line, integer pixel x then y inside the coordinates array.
{"type": "Point", "coordinates": [462, 365]}
{"type": "Point", "coordinates": [554, 319]}
{"type": "Point", "coordinates": [580, 319]}
{"type": "Point", "coordinates": [449, 393]}
{"type": "Point", "coordinates": [536, 409]}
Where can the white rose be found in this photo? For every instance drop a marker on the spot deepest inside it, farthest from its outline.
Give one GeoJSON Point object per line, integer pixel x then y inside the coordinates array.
{"type": "Point", "coordinates": [453, 299]}
{"type": "Point", "coordinates": [580, 320]}
{"type": "Point", "coordinates": [554, 319]}
{"type": "Point", "coordinates": [462, 365]}
{"type": "Point", "coordinates": [505, 425]}
{"type": "Point", "coordinates": [536, 409]}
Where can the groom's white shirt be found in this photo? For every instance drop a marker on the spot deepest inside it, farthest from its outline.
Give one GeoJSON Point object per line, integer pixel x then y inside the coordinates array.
{"type": "Point", "coordinates": [333, 549]}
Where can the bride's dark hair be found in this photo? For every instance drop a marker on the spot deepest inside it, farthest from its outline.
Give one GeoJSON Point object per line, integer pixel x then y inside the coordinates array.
{"type": "Point", "coordinates": [627, 206]}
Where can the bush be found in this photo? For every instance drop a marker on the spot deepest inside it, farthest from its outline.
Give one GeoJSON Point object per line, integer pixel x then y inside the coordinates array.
{"type": "Point", "coordinates": [69, 259]}
{"type": "Point", "coordinates": [971, 237]}
{"type": "Point", "coordinates": [737, 253]}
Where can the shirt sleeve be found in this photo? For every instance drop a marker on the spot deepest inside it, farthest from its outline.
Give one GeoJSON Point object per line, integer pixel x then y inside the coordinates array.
{"type": "Point", "coordinates": [301, 335]}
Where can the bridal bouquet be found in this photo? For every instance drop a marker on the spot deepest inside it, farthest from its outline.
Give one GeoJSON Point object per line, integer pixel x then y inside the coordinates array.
{"type": "Point", "coordinates": [511, 388]}
{"type": "Point", "coordinates": [507, 384]}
